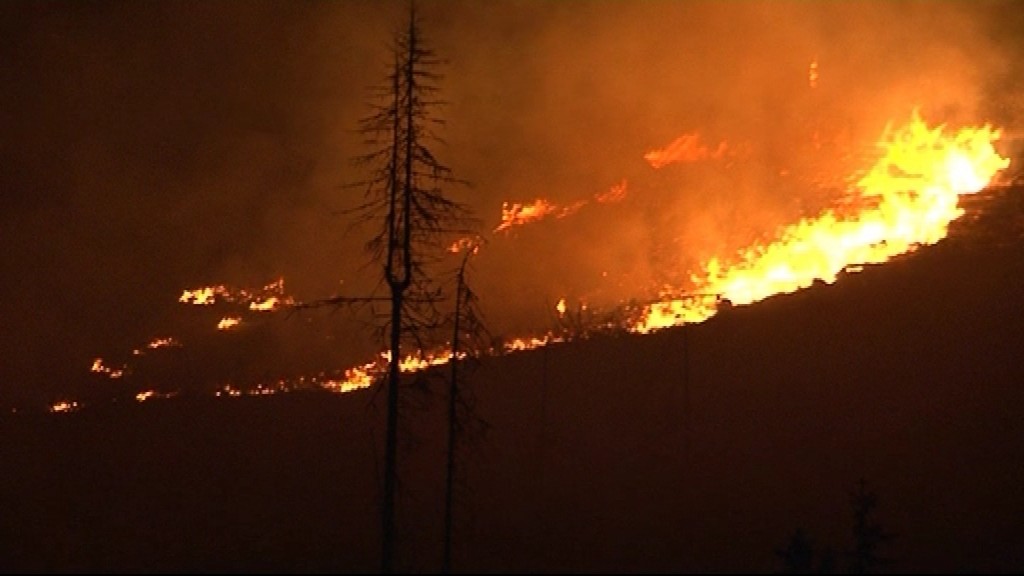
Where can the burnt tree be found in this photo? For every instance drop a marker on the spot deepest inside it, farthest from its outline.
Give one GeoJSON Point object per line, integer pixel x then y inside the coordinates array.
{"type": "Point", "coordinates": [464, 425]}
{"type": "Point", "coordinates": [415, 222]}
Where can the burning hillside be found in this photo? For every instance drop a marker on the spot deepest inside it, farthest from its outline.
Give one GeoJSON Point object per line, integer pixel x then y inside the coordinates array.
{"type": "Point", "coordinates": [905, 200]}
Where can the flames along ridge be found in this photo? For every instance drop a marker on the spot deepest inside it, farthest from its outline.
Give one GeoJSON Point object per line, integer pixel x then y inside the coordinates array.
{"type": "Point", "coordinates": [910, 197]}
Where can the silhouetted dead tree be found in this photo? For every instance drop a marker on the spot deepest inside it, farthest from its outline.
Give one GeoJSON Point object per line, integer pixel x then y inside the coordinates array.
{"type": "Point", "coordinates": [468, 335]}
{"type": "Point", "coordinates": [404, 197]}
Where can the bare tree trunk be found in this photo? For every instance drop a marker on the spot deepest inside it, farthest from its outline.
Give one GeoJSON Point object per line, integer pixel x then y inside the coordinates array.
{"type": "Point", "coordinates": [404, 194]}
{"type": "Point", "coordinates": [453, 394]}
{"type": "Point", "coordinates": [397, 282]}
{"type": "Point", "coordinates": [391, 441]}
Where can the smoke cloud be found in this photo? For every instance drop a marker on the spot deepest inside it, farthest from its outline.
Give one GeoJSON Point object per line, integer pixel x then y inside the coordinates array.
{"type": "Point", "coordinates": [153, 147]}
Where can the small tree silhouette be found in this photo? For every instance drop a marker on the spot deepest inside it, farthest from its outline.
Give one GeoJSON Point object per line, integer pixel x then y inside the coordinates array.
{"type": "Point", "coordinates": [798, 555]}
{"type": "Point", "coordinates": [464, 424]}
{"type": "Point", "coordinates": [868, 533]}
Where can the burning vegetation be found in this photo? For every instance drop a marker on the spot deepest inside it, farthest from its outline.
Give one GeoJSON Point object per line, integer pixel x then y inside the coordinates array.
{"type": "Point", "coordinates": [906, 199]}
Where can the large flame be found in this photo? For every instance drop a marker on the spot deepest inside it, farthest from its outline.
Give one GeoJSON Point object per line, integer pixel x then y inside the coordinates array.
{"type": "Point", "coordinates": [911, 196]}
{"type": "Point", "coordinates": [906, 200]}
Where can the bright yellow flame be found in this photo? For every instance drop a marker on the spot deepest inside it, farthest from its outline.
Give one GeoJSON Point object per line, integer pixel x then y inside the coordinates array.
{"type": "Point", "coordinates": [64, 406]}
{"type": "Point", "coordinates": [518, 214]}
{"type": "Point", "coordinates": [228, 322]}
{"type": "Point", "coordinates": [202, 296]}
{"type": "Point", "coordinates": [267, 298]}
{"type": "Point", "coordinates": [99, 368]}
{"type": "Point", "coordinates": [264, 305]}
{"type": "Point", "coordinates": [533, 342]}
{"type": "Point", "coordinates": [914, 187]}
{"type": "Point", "coordinates": [910, 197]}
{"type": "Point", "coordinates": [163, 343]}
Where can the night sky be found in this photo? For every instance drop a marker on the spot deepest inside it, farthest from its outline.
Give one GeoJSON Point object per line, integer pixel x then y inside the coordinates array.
{"type": "Point", "coordinates": [150, 147]}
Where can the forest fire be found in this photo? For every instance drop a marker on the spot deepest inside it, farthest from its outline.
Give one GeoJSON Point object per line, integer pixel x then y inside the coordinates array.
{"type": "Point", "coordinates": [905, 200]}
{"type": "Point", "coordinates": [913, 190]}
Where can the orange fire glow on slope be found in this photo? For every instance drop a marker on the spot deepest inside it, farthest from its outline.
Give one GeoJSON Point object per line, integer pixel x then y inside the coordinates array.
{"type": "Point", "coordinates": [911, 195]}
{"type": "Point", "coordinates": [906, 200]}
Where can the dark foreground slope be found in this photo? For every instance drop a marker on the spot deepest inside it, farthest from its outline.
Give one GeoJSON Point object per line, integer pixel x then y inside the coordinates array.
{"type": "Point", "coordinates": [688, 450]}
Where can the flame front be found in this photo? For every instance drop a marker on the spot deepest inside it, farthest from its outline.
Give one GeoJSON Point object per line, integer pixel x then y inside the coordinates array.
{"type": "Point", "coordinates": [906, 200]}
{"type": "Point", "coordinates": [911, 194]}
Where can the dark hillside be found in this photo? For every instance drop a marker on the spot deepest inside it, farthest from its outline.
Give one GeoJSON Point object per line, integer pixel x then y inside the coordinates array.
{"type": "Point", "coordinates": [696, 449]}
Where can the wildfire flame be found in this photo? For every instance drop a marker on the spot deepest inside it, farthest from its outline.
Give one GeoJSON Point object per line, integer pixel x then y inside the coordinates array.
{"type": "Point", "coordinates": [906, 200]}
{"type": "Point", "coordinates": [363, 375]}
{"type": "Point", "coordinates": [466, 243]}
{"type": "Point", "coordinates": [616, 193]}
{"type": "Point", "coordinates": [99, 368]}
{"type": "Point", "coordinates": [168, 342]}
{"type": "Point", "coordinates": [64, 406]}
{"type": "Point", "coordinates": [228, 322]}
{"type": "Point", "coordinates": [202, 296]}
{"type": "Point", "coordinates": [517, 214]}
{"type": "Point", "coordinates": [684, 149]}
{"type": "Point", "coordinates": [267, 298]}
{"type": "Point", "coordinates": [913, 189]}
{"type": "Point", "coordinates": [265, 305]}
{"type": "Point", "coordinates": [153, 395]}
